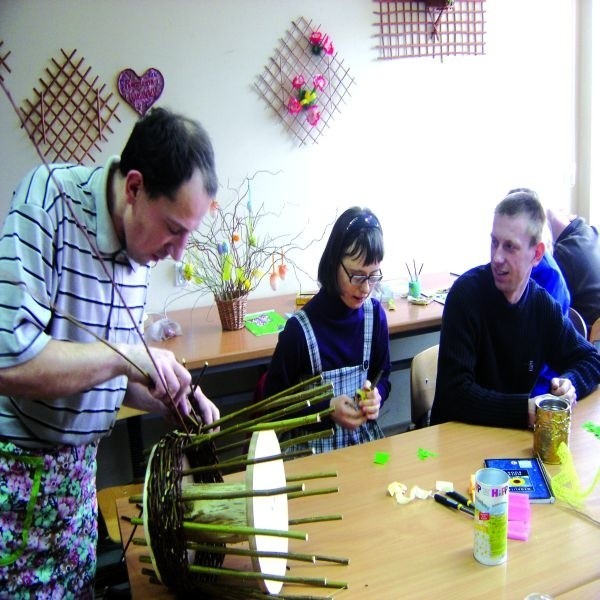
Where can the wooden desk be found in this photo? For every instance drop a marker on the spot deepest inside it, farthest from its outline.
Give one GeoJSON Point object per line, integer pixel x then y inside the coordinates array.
{"type": "Point", "coordinates": [423, 550]}
{"type": "Point", "coordinates": [587, 591]}
{"type": "Point", "coordinates": [203, 339]}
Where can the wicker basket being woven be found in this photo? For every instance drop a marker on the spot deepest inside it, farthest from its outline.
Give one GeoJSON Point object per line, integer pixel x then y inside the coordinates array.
{"type": "Point", "coordinates": [232, 312]}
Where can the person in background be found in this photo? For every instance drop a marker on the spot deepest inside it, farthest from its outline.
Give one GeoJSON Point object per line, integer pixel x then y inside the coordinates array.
{"type": "Point", "coordinates": [499, 327]}
{"type": "Point", "coordinates": [76, 246]}
{"type": "Point", "coordinates": [577, 252]}
{"type": "Point", "coordinates": [341, 333]}
{"type": "Point", "coordinates": [548, 275]}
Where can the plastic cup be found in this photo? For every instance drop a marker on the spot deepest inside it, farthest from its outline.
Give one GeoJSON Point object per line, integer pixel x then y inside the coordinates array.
{"type": "Point", "coordinates": [414, 288]}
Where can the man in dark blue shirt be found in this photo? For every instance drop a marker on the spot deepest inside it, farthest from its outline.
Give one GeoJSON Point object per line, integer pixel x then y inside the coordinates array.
{"type": "Point", "coordinates": [499, 328]}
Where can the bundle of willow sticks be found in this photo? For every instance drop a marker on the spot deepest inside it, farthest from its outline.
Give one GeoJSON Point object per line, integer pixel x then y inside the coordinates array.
{"type": "Point", "coordinates": [193, 519]}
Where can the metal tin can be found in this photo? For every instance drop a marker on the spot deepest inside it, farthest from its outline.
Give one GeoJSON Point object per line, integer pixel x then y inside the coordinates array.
{"type": "Point", "coordinates": [490, 541]}
{"type": "Point", "coordinates": [552, 426]}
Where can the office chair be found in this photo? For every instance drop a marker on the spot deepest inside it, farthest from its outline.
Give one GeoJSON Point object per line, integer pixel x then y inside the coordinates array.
{"type": "Point", "coordinates": [578, 322]}
{"type": "Point", "coordinates": [423, 374]}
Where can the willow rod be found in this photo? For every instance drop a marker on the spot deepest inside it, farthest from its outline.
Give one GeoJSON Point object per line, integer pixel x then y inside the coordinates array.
{"type": "Point", "coordinates": [316, 519]}
{"type": "Point", "coordinates": [297, 386]}
{"type": "Point", "coordinates": [304, 439]}
{"type": "Point", "coordinates": [248, 425]}
{"type": "Point", "coordinates": [231, 591]}
{"type": "Point", "coordinates": [244, 590]}
{"type": "Point", "coordinates": [321, 475]}
{"type": "Point", "coordinates": [316, 581]}
{"type": "Point", "coordinates": [287, 424]}
{"type": "Point", "coordinates": [187, 495]}
{"type": "Point", "coordinates": [301, 557]}
{"type": "Point", "coordinates": [149, 572]}
{"type": "Point", "coordinates": [258, 425]}
{"type": "Point", "coordinates": [137, 541]}
{"type": "Point", "coordinates": [193, 493]}
{"type": "Point", "coordinates": [267, 401]}
{"type": "Point", "coordinates": [235, 530]}
{"type": "Point", "coordinates": [297, 396]}
{"type": "Point", "coordinates": [318, 492]}
{"type": "Point", "coordinates": [241, 530]}
{"type": "Point", "coordinates": [242, 462]}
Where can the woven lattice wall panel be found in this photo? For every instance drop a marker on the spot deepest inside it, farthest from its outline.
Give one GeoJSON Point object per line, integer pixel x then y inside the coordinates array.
{"type": "Point", "coordinates": [430, 28]}
{"type": "Point", "coordinates": [71, 112]}
{"type": "Point", "coordinates": [295, 57]}
{"type": "Point", "coordinates": [3, 60]}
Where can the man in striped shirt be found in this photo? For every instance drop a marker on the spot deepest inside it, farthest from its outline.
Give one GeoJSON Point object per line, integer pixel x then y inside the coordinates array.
{"type": "Point", "coordinates": [75, 252]}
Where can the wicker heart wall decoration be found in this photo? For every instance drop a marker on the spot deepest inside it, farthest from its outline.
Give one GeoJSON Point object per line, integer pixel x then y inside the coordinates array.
{"type": "Point", "coordinates": [140, 92]}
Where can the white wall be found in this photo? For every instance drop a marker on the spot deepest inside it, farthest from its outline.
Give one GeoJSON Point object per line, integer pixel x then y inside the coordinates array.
{"type": "Point", "coordinates": [430, 146]}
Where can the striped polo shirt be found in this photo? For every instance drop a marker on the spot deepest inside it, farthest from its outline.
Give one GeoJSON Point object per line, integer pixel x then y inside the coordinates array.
{"type": "Point", "coordinates": [48, 269]}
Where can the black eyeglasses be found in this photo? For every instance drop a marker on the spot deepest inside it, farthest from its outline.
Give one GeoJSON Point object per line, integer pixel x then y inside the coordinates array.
{"type": "Point", "coordinates": [363, 221]}
{"type": "Point", "coordinates": [360, 279]}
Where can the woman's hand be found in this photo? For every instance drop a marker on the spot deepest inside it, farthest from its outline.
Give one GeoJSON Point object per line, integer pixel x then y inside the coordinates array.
{"type": "Point", "coordinates": [346, 412]}
{"type": "Point", "coordinates": [370, 402]}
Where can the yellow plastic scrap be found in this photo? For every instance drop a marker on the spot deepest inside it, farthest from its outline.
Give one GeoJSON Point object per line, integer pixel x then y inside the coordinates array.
{"type": "Point", "coordinates": [400, 491]}
{"type": "Point", "coordinates": [565, 484]}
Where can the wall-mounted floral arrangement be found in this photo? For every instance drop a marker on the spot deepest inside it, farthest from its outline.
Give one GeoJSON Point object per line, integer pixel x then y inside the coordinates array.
{"type": "Point", "coordinates": [305, 81]}
{"type": "Point", "coordinates": [430, 28]}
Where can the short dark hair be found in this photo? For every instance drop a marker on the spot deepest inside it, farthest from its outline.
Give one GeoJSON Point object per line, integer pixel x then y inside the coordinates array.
{"type": "Point", "coordinates": [356, 233]}
{"type": "Point", "coordinates": [167, 148]}
{"type": "Point", "coordinates": [523, 201]}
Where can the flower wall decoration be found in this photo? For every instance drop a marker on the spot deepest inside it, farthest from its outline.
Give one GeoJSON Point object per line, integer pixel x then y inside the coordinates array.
{"type": "Point", "coordinates": [320, 43]}
{"type": "Point", "coordinates": [306, 98]}
{"type": "Point", "coordinates": [305, 81]}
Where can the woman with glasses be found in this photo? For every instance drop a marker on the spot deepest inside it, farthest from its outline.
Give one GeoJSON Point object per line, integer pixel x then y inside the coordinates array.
{"type": "Point", "coordinates": [341, 333]}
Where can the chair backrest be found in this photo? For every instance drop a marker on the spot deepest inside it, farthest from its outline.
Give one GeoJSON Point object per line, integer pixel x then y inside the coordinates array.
{"type": "Point", "coordinates": [578, 322]}
{"type": "Point", "coordinates": [595, 333]}
{"type": "Point", "coordinates": [423, 374]}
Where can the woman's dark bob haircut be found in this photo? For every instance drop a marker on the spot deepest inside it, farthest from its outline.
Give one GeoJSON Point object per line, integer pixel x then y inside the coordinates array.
{"type": "Point", "coordinates": [357, 234]}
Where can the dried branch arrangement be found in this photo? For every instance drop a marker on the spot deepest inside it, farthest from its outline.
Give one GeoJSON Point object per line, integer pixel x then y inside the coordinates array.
{"type": "Point", "coordinates": [193, 520]}
{"type": "Point", "coordinates": [233, 252]}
